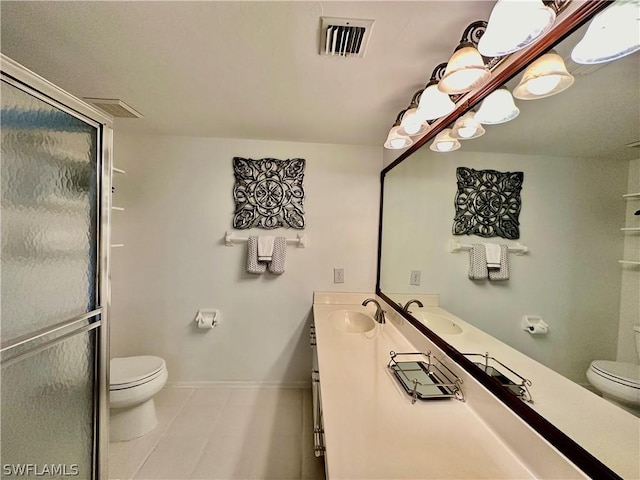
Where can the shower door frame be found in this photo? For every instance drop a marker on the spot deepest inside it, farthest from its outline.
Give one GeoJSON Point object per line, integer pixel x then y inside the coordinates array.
{"type": "Point", "coordinates": [33, 84]}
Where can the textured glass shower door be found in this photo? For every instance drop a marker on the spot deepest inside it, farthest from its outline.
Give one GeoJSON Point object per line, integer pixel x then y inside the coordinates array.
{"type": "Point", "coordinates": [50, 286]}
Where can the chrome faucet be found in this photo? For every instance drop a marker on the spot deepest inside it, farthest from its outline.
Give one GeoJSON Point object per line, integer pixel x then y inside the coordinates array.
{"type": "Point", "coordinates": [379, 315]}
{"type": "Point", "coordinates": [417, 302]}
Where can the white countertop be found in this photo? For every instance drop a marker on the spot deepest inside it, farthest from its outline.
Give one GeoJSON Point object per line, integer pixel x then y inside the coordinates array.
{"type": "Point", "coordinates": [373, 431]}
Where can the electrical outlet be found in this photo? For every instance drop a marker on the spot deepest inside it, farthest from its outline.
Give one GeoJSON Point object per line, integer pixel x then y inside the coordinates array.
{"type": "Point", "coordinates": [415, 277]}
{"type": "Point", "coordinates": [338, 275]}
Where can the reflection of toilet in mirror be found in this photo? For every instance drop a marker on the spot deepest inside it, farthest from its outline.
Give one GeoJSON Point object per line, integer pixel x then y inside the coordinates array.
{"type": "Point", "coordinates": [619, 382]}
{"type": "Point", "coordinates": [133, 383]}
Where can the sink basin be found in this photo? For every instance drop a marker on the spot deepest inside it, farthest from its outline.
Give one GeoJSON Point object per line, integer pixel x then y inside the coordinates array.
{"type": "Point", "coordinates": [351, 321]}
{"type": "Point", "coordinates": [439, 324]}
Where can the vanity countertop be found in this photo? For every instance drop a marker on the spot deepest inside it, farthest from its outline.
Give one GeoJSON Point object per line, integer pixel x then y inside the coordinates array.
{"type": "Point", "coordinates": [373, 431]}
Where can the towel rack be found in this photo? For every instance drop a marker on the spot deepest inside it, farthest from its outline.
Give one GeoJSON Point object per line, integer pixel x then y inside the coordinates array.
{"type": "Point", "coordinates": [455, 246]}
{"type": "Point", "coordinates": [230, 238]}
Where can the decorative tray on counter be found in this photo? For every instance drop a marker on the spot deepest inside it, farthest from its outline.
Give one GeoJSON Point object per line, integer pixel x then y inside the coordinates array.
{"type": "Point", "coordinates": [424, 377]}
{"type": "Point", "coordinates": [517, 386]}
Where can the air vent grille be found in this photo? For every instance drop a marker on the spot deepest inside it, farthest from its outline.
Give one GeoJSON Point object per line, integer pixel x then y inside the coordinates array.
{"type": "Point", "coordinates": [579, 69]}
{"type": "Point", "coordinates": [344, 37]}
{"type": "Point", "coordinates": [114, 107]}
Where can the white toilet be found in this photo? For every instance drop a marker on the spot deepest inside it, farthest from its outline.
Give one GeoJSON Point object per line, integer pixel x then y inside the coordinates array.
{"type": "Point", "coordinates": [619, 382]}
{"type": "Point", "coordinates": [132, 384]}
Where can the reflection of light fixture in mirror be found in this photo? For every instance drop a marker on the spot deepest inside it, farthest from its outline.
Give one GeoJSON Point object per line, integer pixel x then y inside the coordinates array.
{"type": "Point", "coordinates": [467, 127]}
{"type": "Point", "coordinates": [413, 123]}
{"type": "Point", "coordinates": [396, 139]}
{"type": "Point", "coordinates": [546, 76]}
{"type": "Point", "coordinates": [466, 69]}
{"type": "Point", "coordinates": [434, 103]}
{"type": "Point", "coordinates": [612, 34]}
{"type": "Point", "coordinates": [498, 107]}
{"type": "Point", "coordinates": [444, 142]}
{"type": "Point", "coordinates": [513, 25]}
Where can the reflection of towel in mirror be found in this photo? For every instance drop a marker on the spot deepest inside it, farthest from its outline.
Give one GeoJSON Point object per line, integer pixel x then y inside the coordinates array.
{"type": "Point", "coordinates": [501, 273]}
{"type": "Point", "coordinates": [253, 265]}
{"type": "Point", "coordinates": [478, 262]}
{"type": "Point", "coordinates": [493, 255]}
{"type": "Point", "coordinates": [276, 265]}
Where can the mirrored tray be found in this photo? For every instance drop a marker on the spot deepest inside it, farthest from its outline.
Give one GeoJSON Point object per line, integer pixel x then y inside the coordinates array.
{"type": "Point", "coordinates": [424, 377]}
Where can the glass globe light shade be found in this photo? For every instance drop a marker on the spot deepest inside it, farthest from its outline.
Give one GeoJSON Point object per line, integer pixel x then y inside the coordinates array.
{"type": "Point", "coordinates": [444, 142]}
{"type": "Point", "coordinates": [612, 34]}
{"type": "Point", "coordinates": [465, 71]}
{"type": "Point", "coordinates": [395, 140]}
{"type": "Point", "coordinates": [467, 127]}
{"type": "Point", "coordinates": [498, 107]}
{"type": "Point", "coordinates": [513, 25]}
{"type": "Point", "coordinates": [413, 124]}
{"type": "Point", "coordinates": [546, 76]}
{"type": "Point", "coordinates": [434, 103]}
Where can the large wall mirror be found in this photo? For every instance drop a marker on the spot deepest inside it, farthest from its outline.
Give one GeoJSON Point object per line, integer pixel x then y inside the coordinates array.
{"type": "Point", "coordinates": [580, 158]}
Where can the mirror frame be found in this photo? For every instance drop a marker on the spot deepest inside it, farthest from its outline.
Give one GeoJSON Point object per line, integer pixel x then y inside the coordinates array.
{"type": "Point", "coordinates": [573, 15]}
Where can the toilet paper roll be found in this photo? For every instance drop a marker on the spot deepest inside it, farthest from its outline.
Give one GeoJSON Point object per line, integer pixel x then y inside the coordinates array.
{"type": "Point", "coordinates": [537, 329]}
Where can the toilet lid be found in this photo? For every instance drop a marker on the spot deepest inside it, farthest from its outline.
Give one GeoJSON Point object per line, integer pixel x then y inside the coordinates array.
{"type": "Point", "coordinates": [127, 370]}
{"type": "Point", "coordinates": [620, 372]}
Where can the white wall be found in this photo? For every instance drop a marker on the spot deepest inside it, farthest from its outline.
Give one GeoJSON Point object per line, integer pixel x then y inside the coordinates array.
{"type": "Point", "coordinates": [630, 288]}
{"type": "Point", "coordinates": [570, 220]}
{"type": "Point", "coordinates": [178, 198]}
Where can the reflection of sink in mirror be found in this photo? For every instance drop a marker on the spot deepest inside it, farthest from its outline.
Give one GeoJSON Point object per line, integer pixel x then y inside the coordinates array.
{"type": "Point", "coordinates": [350, 321]}
{"type": "Point", "coordinates": [438, 323]}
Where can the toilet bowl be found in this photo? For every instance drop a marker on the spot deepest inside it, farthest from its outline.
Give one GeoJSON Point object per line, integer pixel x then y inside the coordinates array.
{"type": "Point", "coordinates": [132, 384]}
{"type": "Point", "coordinates": [619, 382]}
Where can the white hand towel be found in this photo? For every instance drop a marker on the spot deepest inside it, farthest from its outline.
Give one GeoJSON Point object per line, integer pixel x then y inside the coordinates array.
{"type": "Point", "coordinates": [501, 273]}
{"type": "Point", "coordinates": [478, 262]}
{"type": "Point", "coordinates": [276, 265]}
{"type": "Point", "coordinates": [265, 248]}
{"type": "Point", "coordinates": [253, 265]}
{"type": "Point", "coordinates": [493, 255]}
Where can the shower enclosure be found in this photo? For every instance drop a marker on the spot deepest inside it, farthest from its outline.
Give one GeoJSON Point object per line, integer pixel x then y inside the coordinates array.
{"type": "Point", "coordinates": [54, 284]}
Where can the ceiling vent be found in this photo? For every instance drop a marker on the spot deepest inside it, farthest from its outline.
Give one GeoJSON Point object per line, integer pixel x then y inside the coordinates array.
{"type": "Point", "coordinates": [114, 107]}
{"type": "Point", "coordinates": [579, 69]}
{"type": "Point", "coordinates": [344, 37]}
{"type": "Point", "coordinates": [635, 144]}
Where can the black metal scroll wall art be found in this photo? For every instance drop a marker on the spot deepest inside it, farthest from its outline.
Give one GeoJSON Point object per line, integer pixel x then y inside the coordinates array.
{"type": "Point", "coordinates": [488, 203]}
{"type": "Point", "coordinates": [268, 193]}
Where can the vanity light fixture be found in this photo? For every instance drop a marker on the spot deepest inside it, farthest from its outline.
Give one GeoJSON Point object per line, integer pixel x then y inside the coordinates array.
{"type": "Point", "coordinates": [466, 69]}
{"type": "Point", "coordinates": [467, 127]}
{"type": "Point", "coordinates": [515, 24]}
{"type": "Point", "coordinates": [497, 107]}
{"type": "Point", "coordinates": [546, 76]}
{"type": "Point", "coordinates": [413, 123]}
{"type": "Point", "coordinates": [444, 142]}
{"type": "Point", "coordinates": [612, 34]}
{"type": "Point", "coordinates": [434, 103]}
{"type": "Point", "coordinates": [396, 139]}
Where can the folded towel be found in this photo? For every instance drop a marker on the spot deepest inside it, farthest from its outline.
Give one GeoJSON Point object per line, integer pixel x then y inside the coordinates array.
{"type": "Point", "coordinates": [265, 248]}
{"type": "Point", "coordinates": [493, 255]}
{"type": "Point", "coordinates": [253, 266]}
{"type": "Point", "coordinates": [276, 265]}
{"type": "Point", "coordinates": [478, 262]}
{"type": "Point", "coordinates": [501, 273]}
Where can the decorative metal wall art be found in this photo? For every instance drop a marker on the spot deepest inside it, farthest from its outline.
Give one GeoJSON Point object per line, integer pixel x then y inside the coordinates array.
{"type": "Point", "coordinates": [268, 193]}
{"type": "Point", "coordinates": [488, 203]}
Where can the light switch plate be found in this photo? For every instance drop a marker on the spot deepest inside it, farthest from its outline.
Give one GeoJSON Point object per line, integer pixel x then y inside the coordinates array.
{"type": "Point", "coordinates": [415, 277]}
{"type": "Point", "coordinates": [338, 275]}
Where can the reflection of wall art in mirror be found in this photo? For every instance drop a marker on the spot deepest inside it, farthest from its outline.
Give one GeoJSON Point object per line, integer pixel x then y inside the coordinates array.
{"type": "Point", "coordinates": [268, 193]}
{"type": "Point", "coordinates": [487, 203]}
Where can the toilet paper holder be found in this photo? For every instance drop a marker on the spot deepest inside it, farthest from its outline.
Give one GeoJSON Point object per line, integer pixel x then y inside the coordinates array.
{"type": "Point", "coordinates": [207, 317]}
{"type": "Point", "coordinates": [534, 325]}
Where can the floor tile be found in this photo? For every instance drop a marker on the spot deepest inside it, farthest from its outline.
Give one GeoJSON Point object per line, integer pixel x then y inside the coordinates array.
{"type": "Point", "coordinates": [265, 396]}
{"type": "Point", "coordinates": [173, 458]}
{"type": "Point", "coordinates": [173, 396]}
{"type": "Point", "coordinates": [125, 458]}
{"type": "Point", "coordinates": [251, 457]}
{"type": "Point", "coordinates": [195, 421]}
{"type": "Point", "coordinates": [210, 396]}
{"type": "Point", "coordinates": [260, 420]}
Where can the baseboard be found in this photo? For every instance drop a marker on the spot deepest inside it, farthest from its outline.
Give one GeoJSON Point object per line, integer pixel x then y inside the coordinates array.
{"type": "Point", "coordinates": [239, 384]}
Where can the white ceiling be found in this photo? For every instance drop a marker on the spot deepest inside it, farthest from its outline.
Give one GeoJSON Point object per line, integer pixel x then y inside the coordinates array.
{"type": "Point", "coordinates": [239, 69]}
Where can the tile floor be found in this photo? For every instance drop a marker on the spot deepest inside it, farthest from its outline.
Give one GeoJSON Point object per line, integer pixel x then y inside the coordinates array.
{"type": "Point", "coordinates": [223, 433]}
